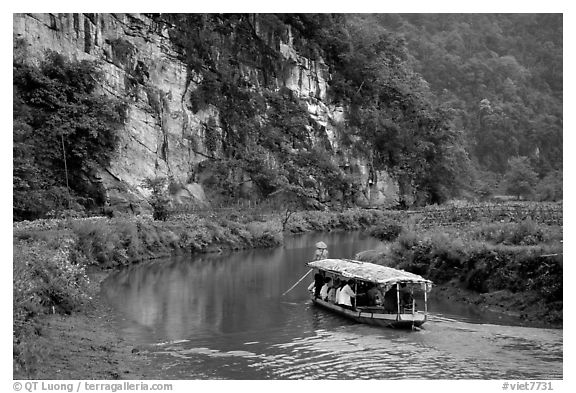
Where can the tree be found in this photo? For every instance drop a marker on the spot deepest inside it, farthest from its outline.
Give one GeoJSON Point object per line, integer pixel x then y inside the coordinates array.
{"type": "Point", "coordinates": [520, 178]}
{"type": "Point", "coordinates": [550, 187]}
{"type": "Point", "coordinates": [58, 113]}
{"type": "Point", "coordinates": [159, 199]}
{"type": "Point", "coordinates": [510, 63]}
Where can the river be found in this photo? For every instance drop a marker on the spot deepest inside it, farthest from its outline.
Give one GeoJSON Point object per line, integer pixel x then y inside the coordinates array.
{"type": "Point", "coordinates": [222, 316]}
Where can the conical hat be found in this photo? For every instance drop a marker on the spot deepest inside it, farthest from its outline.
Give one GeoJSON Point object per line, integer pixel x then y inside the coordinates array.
{"type": "Point", "coordinates": [321, 245]}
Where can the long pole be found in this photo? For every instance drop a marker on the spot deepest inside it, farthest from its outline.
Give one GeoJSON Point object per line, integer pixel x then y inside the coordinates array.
{"type": "Point", "coordinates": [65, 169]}
{"type": "Point", "coordinates": [425, 298]}
{"type": "Point", "coordinates": [413, 305]}
{"type": "Point", "coordinates": [413, 302]}
{"type": "Point", "coordinates": [398, 299]}
{"type": "Point", "coordinates": [298, 282]}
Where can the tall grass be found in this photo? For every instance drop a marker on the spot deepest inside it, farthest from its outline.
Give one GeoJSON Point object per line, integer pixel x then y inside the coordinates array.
{"type": "Point", "coordinates": [330, 220]}
{"type": "Point", "coordinates": [524, 233]}
{"type": "Point", "coordinates": [518, 257]}
{"type": "Point", "coordinates": [48, 277]}
{"type": "Point", "coordinates": [388, 230]}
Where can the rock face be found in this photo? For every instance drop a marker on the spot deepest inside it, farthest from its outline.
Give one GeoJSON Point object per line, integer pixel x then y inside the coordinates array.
{"type": "Point", "coordinates": [162, 135]}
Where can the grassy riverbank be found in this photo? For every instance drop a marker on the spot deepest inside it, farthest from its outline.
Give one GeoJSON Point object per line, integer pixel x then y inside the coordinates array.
{"type": "Point", "coordinates": [512, 267]}
{"type": "Point", "coordinates": [52, 259]}
{"type": "Point", "coordinates": [484, 263]}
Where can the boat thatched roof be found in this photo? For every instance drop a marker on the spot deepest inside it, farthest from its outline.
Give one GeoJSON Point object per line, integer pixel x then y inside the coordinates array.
{"type": "Point", "coordinates": [367, 271]}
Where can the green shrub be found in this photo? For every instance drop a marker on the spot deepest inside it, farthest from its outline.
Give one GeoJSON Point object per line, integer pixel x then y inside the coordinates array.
{"type": "Point", "coordinates": [378, 256]}
{"type": "Point", "coordinates": [386, 231]}
{"type": "Point", "coordinates": [46, 277]}
{"type": "Point", "coordinates": [266, 234]}
{"type": "Point", "coordinates": [408, 240]}
{"type": "Point", "coordinates": [56, 107]}
{"type": "Point", "coordinates": [525, 233]}
{"type": "Point", "coordinates": [159, 199]}
{"type": "Point", "coordinates": [482, 267]}
{"type": "Point", "coordinates": [97, 241]}
{"type": "Point", "coordinates": [447, 257]}
{"type": "Point", "coordinates": [550, 187]}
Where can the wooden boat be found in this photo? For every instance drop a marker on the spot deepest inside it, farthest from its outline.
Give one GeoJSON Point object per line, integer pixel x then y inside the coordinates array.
{"type": "Point", "coordinates": [393, 283]}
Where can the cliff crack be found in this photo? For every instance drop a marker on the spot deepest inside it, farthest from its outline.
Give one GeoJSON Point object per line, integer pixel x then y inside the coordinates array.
{"type": "Point", "coordinates": [206, 155]}
{"type": "Point", "coordinates": [143, 145]}
{"type": "Point", "coordinates": [113, 175]}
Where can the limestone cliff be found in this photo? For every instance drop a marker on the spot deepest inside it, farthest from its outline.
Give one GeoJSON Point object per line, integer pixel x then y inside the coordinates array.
{"type": "Point", "coordinates": [163, 136]}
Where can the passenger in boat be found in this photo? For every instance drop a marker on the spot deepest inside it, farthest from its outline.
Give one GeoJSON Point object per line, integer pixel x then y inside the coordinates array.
{"type": "Point", "coordinates": [390, 301]}
{"type": "Point", "coordinates": [325, 288]}
{"type": "Point", "coordinates": [338, 290]}
{"type": "Point", "coordinates": [362, 293]}
{"type": "Point", "coordinates": [375, 297]}
{"type": "Point", "coordinates": [346, 295]}
{"type": "Point", "coordinates": [332, 293]}
{"type": "Point", "coordinates": [317, 285]}
{"type": "Point", "coordinates": [406, 297]}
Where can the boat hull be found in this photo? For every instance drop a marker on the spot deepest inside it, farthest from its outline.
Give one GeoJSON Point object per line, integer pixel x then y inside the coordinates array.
{"type": "Point", "coordinates": [400, 321]}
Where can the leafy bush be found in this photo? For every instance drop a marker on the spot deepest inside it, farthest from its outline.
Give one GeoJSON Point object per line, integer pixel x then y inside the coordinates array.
{"type": "Point", "coordinates": [46, 277]}
{"type": "Point", "coordinates": [408, 240]}
{"type": "Point", "coordinates": [377, 256]}
{"type": "Point", "coordinates": [520, 179]}
{"type": "Point", "coordinates": [550, 188]}
{"type": "Point", "coordinates": [386, 231]}
{"type": "Point", "coordinates": [480, 266]}
{"type": "Point", "coordinates": [524, 233]}
{"type": "Point", "coordinates": [447, 257]}
{"type": "Point", "coordinates": [159, 199]}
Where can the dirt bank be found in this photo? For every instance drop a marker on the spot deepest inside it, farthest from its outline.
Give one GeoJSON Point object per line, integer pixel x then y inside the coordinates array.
{"type": "Point", "coordinates": [523, 309]}
{"type": "Point", "coordinates": [86, 345]}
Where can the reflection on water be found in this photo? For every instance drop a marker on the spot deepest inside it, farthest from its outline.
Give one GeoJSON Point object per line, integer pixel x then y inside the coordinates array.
{"type": "Point", "coordinates": [223, 316]}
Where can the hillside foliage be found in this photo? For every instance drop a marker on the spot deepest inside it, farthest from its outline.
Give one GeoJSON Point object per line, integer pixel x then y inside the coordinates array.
{"type": "Point", "coordinates": [391, 119]}
{"type": "Point", "coordinates": [501, 75]}
{"type": "Point", "coordinates": [446, 104]}
{"type": "Point", "coordinates": [63, 130]}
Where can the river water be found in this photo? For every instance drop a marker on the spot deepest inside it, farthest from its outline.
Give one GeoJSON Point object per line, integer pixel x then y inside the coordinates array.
{"type": "Point", "coordinates": [223, 317]}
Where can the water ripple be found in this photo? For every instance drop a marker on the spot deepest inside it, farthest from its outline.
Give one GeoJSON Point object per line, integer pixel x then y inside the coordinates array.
{"type": "Point", "coordinates": [360, 352]}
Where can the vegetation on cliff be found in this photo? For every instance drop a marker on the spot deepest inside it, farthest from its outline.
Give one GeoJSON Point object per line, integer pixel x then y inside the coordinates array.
{"type": "Point", "coordinates": [63, 129]}
{"type": "Point", "coordinates": [393, 119]}
{"type": "Point", "coordinates": [268, 133]}
{"type": "Point", "coordinates": [445, 104]}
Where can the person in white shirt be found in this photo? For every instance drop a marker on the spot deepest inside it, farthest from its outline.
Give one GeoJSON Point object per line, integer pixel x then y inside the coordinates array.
{"type": "Point", "coordinates": [346, 294]}
{"type": "Point", "coordinates": [325, 288]}
{"type": "Point", "coordinates": [337, 293]}
{"type": "Point", "coordinates": [332, 292]}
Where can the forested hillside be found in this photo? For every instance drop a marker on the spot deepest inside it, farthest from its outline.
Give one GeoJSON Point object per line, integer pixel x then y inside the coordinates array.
{"type": "Point", "coordinates": [445, 102]}
{"type": "Point", "coordinates": [446, 105]}
{"type": "Point", "coordinates": [501, 77]}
